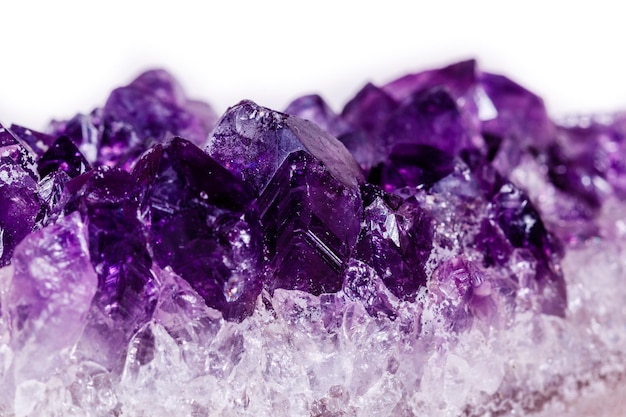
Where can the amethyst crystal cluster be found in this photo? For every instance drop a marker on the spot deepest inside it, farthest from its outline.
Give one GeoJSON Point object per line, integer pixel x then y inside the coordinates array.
{"type": "Point", "coordinates": [425, 251]}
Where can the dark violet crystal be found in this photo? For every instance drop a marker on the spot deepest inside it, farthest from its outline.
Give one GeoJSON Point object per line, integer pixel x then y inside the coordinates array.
{"type": "Point", "coordinates": [116, 243]}
{"type": "Point", "coordinates": [395, 241]}
{"type": "Point", "coordinates": [367, 113]}
{"type": "Point", "coordinates": [369, 110]}
{"type": "Point", "coordinates": [308, 187]}
{"type": "Point", "coordinates": [19, 200]}
{"type": "Point", "coordinates": [62, 155]}
{"type": "Point", "coordinates": [311, 223]}
{"type": "Point", "coordinates": [520, 115]}
{"type": "Point", "coordinates": [421, 140]}
{"type": "Point", "coordinates": [202, 223]}
{"type": "Point", "coordinates": [38, 142]}
{"type": "Point", "coordinates": [150, 110]}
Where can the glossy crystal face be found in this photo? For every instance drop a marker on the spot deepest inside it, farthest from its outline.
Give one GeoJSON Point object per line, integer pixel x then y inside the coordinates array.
{"type": "Point", "coordinates": [429, 247]}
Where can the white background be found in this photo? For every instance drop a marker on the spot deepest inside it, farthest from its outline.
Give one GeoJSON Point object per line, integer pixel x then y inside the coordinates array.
{"type": "Point", "coordinates": [60, 57]}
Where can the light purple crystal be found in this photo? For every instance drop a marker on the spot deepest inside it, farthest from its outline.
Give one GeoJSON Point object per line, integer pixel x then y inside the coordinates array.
{"type": "Point", "coordinates": [48, 295]}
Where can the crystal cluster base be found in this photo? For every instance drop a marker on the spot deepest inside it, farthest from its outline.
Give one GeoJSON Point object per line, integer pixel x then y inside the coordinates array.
{"type": "Point", "coordinates": [440, 247]}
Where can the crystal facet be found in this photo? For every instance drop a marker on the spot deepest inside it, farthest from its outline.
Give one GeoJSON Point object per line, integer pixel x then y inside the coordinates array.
{"type": "Point", "coordinates": [202, 224]}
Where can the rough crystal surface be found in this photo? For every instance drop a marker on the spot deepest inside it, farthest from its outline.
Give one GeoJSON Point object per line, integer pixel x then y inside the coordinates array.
{"type": "Point", "coordinates": [62, 155]}
{"type": "Point", "coordinates": [311, 222]}
{"type": "Point", "coordinates": [202, 224]}
{"type": "Point", "coordinates": [308, 193]}
{"type": "Point", "coordinates": [150, 110]}
{"type": "Point", "coordinates": [440, 246]}
{"type": "Point", "coordinates": [19, 201]}
{"type": "Point", "coordinates": [396, 241]}
{"type": "Point", "coordinates": [49, 292]}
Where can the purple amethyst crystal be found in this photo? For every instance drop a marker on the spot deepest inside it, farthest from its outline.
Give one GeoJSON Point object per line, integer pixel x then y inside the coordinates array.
{"type": "Point", "coordinates": [311, 223]}
{"type": "Point", "coordinates": [412, 254]}
{"type": "Point", "coordinates": [458, 79]}
{"type": "Point", "coordinates": [587, 160]}
{"type": "Point", "coordinates": [38, 142]}
{"type": "Point", "coordinates": [421, 140]}
{"type": "Point", "coordinates": [49, 295]}
{"type": "Point", "coordinates": [277, 175]}
{"type": "Point", "coordinates": [396, 241]}
{"type": "Point", "coordinates": [520, 115]}
{"type": "Point", "coordinates": [150, 110]}
{"type": "Point", "coordinates": [369, 109]}
{"type": "Point", "coordinates": [367, 113]}
{"type": "Point", "coordinates": [523, 227]}
{"type": "Point", "coordinates": [464, 292]}
{"type": "Point", "coordinates": [492, 103]}
{"type": "Point", "coordinates": [496, 117]}
{"type": "Point", "coordinates": [417, 124]}
{"type": "Point", "coordinates": [315, 109]}
{"type": "Point", "coordinates": [62, 155]}
{"type": "Point", "coordinates": [117, 245]}
{"type": "Point", "coordinates": [308, 187]}
{"type": "Point", "coordinates": [127, 288]}
{"type": "Point", "coordinates": [253, 142]}
{"type": "Point", "coordinates": [84, 131]}
{"type": "Point", "coordinates": [19, 200]}
{"type": "Point", "coordinates": [202, 224]}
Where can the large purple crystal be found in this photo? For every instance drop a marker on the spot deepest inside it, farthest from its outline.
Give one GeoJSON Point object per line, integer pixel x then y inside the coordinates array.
{"type": "Point", "coordinates": [308, 193]}
{"type": "Point", "coordinates": [202, 224]}
{"type": "Point", "coordinates": [19, 200]}
{"type": "Point", "coordinates": [396, 241]}
{"type": "Point", "coordinates": [420, 140]}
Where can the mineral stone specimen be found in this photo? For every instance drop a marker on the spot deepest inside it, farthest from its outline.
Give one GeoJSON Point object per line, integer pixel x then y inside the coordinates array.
{"type": "Point", "coordinates": [441, 246]}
